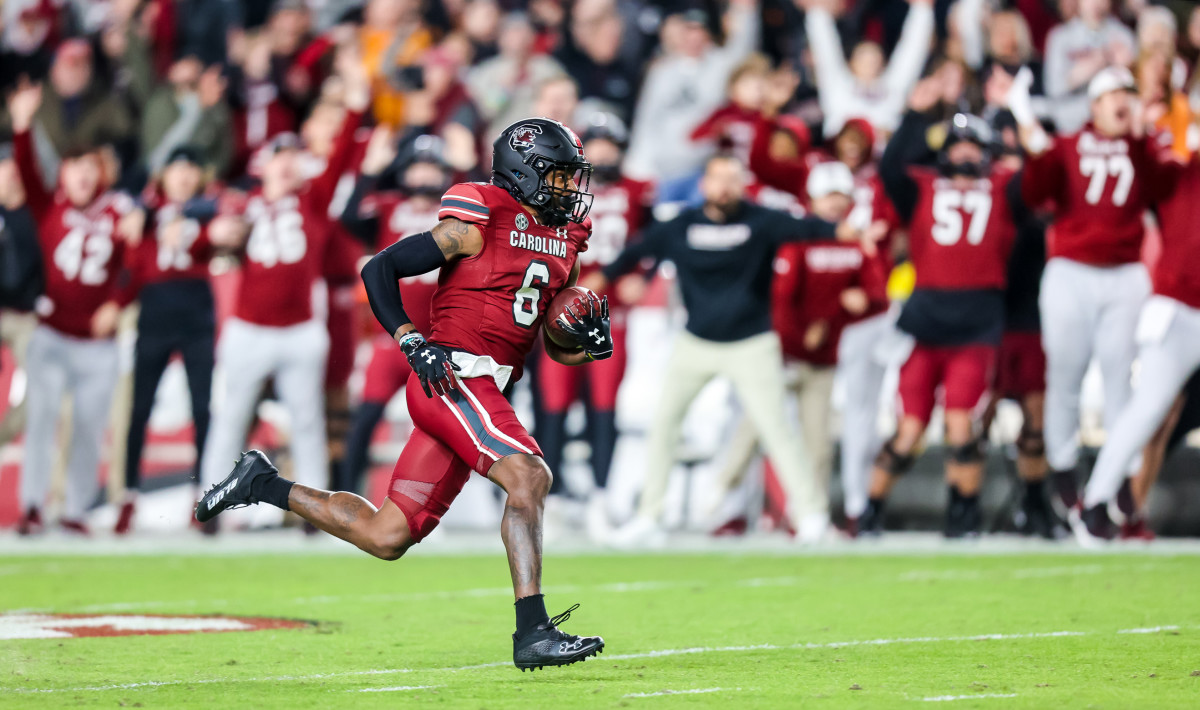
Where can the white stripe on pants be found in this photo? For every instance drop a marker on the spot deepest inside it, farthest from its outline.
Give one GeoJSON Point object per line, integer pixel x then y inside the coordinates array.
{"type": "Point", "coordinates": [249, 354]}
{"type": "Point", "coordinates": [755, 367]}
{"type": "Point", "coordinates": [861, 371]}
{"type": "Point", "coordinates": [86, 370]}
{"type": "Point", "coordinates": [1086, 310]}
{"type": "Point", "coordinates": [1169, 355]}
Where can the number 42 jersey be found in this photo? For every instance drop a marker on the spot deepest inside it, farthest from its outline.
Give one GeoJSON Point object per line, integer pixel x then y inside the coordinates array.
{"type": "Point", "coordinates": [492, 304]}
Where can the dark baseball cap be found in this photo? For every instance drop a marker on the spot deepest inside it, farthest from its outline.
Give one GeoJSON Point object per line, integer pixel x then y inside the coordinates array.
{"type": "Point", "coordinates": [186, 153]}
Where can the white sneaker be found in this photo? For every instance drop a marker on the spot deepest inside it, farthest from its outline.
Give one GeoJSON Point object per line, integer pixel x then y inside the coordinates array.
{"type": "Point", "coordinates": [639, 533]}
{"type": "Point", "coordinates": [599, 528]}
{"type": "Point", "coordinates": [813, 529]}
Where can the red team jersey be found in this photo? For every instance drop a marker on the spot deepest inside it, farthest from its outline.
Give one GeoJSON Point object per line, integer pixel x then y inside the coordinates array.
{"type": "Point", "coordinates": [82, 254]}
{"type": "Point", "coordinates": [809, 280]}
{"type": "Point", "coordinates": [961, 239]}
{"type": "Point", "coordinates": [1099, 188]}
{"type": "Point", "coordinates": [492, 304]}
{"type": "Point", "coordinates": [287, 243]}
{"type": "Point", "coordinates": [1175, 274]}
{"type": "Point", "coordinates": [154, 260]}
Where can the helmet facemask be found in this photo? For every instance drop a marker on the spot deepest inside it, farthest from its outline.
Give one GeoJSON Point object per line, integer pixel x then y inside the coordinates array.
{"type": "Point", "coordinates": [563, 194]}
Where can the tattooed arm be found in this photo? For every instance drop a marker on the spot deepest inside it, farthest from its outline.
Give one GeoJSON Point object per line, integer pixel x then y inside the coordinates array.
{"type": "Point", "coordinates": [457, 239]}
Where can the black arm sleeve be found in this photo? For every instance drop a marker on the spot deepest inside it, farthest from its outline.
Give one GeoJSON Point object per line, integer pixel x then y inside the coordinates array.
{"type": "Point", "coordinates": [906, 146]}
{"type": "Point", "coordinates": [411, 256]}
{"type": "Point", "coordinates": [633, 253]}
{"type": "Point", "coordinates": [364, 229]}
{"type": "Point", "coordinates": [786, 228]}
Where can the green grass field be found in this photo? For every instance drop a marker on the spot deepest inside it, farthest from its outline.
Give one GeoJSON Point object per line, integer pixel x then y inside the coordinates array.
{"type": "Point", "coordinates": [761, 630]}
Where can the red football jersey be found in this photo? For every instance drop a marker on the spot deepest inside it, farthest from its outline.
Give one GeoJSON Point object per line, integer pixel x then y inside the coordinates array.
{"type": "Point", "coordinates": [1099, 188]}
{"type": "Point", "coordinates": [492, 304]}
{"type": "Point", "coordinates": [399, 218]}
{"type": "Point", "coordinates": [287, 243]}
{"type": "Point", "coordinates": [809, 280]}
{"type": "Point", "coordinates": [1177, 273]}
{"type": "Point", "coordinates": [154, 260]}
{"type": "Point", "coordinates": [81, 253]}
{"type": "Point", "coordinates": [961, 239]}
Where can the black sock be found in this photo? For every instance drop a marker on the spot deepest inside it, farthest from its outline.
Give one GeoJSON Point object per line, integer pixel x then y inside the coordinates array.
{"type": "Point", "coordinates": [1035, 491]}
{"type": "Point", "coordinates": [1125, 499]}
{"type": "Point", "coordinates": [273, 489]}
{"type": "Point", "coordinates": [531, 611]}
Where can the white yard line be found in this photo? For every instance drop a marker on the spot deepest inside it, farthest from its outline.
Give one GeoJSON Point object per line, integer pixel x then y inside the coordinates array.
{"type": "Point", "coordinates": [608, 657]}
{"type": "Point", "coordinates": [393, 689]}
{"type": "Point", "coordinates": [1149, 630]}
{"type": "Point", "coordinates": [949, 698]}
{"type": "Point", "coordinates": [688, 691]}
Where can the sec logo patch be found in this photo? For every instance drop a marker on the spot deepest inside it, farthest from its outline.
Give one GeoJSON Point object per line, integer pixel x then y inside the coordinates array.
{"type": "Point", "coordinates": [522, 222]}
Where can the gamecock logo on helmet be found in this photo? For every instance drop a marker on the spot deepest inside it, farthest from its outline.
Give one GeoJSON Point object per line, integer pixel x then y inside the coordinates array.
{"type": "Point", "coordinates": [523, 136]}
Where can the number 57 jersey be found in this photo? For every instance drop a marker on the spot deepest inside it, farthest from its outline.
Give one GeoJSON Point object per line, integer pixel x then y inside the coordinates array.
{"type": "Point", "coordinates": [492, 304]}
{"type": "Point", "coordinates": [961, 234]}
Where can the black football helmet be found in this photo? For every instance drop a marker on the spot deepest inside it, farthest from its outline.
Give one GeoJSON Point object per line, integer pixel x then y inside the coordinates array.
{"type": "Point", "coordinates": [523, 159]}
{"type": "Point", "coordinates": [965, 127]}
{"type": "Point", "coordinates": [606, 127]}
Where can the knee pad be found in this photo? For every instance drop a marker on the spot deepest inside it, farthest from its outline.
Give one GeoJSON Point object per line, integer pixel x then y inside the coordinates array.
{"type": "Point", "coordinates": [968, 453]}
{"type": "Point", "coordinates": [1030, 442]}
{"type": "Point", "coordinates": [893, 462]}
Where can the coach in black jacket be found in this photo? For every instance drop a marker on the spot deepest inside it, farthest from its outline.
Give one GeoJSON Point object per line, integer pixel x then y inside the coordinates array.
{"type": "Point", "coordinates": [724, 253]}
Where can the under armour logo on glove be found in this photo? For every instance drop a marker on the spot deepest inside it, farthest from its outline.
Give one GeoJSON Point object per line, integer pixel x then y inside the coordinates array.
{"type": "Point", "coordinates": [587, 324]}
{"type": "Point", "coordinates": [430, 363]}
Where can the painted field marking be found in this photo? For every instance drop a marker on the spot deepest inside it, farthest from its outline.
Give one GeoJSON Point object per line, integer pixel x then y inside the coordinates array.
{"type": "Point", "coordinates": [393, 689]}
{"type": "Point", "coordinates": [613, 657]}
{"type": "Point", "coordinates": [950, 698]}
{"type": "Point", "coordinates": [689, 691]}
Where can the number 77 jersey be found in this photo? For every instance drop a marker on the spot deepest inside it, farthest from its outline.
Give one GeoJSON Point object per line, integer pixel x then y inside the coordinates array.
{"type": "Point", "coordinates": [1099, 188]}
{"type": "Point", "coordinates": [492, 304]}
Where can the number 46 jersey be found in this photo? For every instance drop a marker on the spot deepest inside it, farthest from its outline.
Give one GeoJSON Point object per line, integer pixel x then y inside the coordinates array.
{"type": "Point", "coordinates": [492, 304]}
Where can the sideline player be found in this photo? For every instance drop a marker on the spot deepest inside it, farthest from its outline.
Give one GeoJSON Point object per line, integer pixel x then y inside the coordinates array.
{"type": "Point", "coordinates": [1169, 338]}
{"type": "Point", "coordinates": [382, 219]}
{"type": "Point", "coordinates": [620, 208]}
{"type": "Point", "coordinates": [961, 233]}
{"type": "Point", "coordinates": [272, 332]}
{"type": "Point", "coordinates": [505, 249]}
{"type": "Point", "coordinates": [1094, 284]}
{"type": "Point", "coordinates": [171, 244]}
{"type": "Point", "coordinates": [72, 350]}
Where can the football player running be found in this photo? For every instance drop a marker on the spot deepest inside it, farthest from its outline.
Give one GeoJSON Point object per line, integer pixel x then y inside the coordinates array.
{"type": "Point", "coordinates": [505, 249]}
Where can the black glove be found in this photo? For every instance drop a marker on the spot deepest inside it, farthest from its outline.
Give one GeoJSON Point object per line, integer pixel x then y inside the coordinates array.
{"type": "Point", "coordinates": [588, 326]}
{"type": "Point", "coordinates": [431, 363]}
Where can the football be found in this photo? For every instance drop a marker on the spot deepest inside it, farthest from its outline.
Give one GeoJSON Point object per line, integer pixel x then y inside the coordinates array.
{"type": "Point", "coordinates": [558, 306]}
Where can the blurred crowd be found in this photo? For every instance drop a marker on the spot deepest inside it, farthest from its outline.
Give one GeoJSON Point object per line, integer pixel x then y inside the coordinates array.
{"type": "Point", "coordinates": [171, 131]}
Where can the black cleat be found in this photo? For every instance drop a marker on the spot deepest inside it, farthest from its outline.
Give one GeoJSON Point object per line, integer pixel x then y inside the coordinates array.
{"type": "Point", "coordinates": [547, 646]}
{"type": "Point", "coordinates": [963, 516]}
{"type": "Point", "coordinates": [1092, 526]}
{"type": "Point", "coordinates": [234, 491]}
{"type": "Point", "coordinates": [870, 523]}
{"type": "Point", "coordinates": [1036, 518]}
